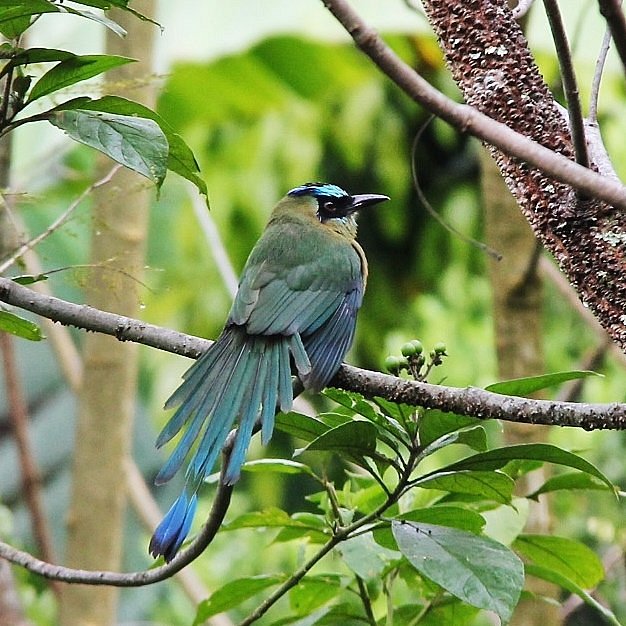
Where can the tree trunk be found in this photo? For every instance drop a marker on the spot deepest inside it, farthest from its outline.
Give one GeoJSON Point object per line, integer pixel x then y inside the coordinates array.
{"type": "Point", "coordinates": [107, 397]}
{"type": "Point", "coordinates": [517, 299]}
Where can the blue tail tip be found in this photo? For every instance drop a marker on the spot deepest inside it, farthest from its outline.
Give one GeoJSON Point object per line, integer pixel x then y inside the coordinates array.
{"type": "Point", "coordinates": [173, 530]}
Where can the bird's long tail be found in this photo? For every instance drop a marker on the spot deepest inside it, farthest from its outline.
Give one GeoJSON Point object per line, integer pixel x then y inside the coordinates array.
{"type": "Point", "coordinates": [239, 376]}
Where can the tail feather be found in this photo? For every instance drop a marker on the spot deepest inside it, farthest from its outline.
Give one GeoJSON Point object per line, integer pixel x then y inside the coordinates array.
{"type": "Point", "coordinates": [271, 394]}
{"type": "Point", "coordinates": [254, 395]}
{"type": "Point", "coordinates": [171, 532]}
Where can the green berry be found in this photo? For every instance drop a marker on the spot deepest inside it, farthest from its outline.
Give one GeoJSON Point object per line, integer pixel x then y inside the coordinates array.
{"type": "Point", "coordinates": [439, 348]}
{"type": "Point", "coordinates": [392, 363]}
{"type": "Point", "coordinates": [408, 349]}
{"type": "Point", "coordinates": [417, 346]}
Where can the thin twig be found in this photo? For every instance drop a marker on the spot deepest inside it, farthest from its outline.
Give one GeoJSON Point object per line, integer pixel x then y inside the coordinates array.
{"type": "Point", "coordinates": [59, 221]}
{"type": "Point", "coordinates": [31, 480]}
{"type": "Point", "coordinates": [523, 6]}
{"type": "Point", "coordinates": [597, 76]}
{"type": "Point", "coordinates": [614, 16]}
{"type": "Point", "coordinates": [365, 600]}
{"type": "Point", "coordinates": [220, 506]}
{"type": "Point", "coordinates": [570, 86]}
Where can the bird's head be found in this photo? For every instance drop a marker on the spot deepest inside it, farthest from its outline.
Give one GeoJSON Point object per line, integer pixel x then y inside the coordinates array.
{"type": "Point", "coordinates": [333, 206]}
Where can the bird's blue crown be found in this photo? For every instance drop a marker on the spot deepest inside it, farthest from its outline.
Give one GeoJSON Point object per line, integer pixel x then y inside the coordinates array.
{"type": "Point", "coordinates": [319, 190]}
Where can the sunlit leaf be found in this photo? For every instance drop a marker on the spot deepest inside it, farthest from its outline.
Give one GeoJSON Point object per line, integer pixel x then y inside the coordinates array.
{"type": "Point", "coordinates": [569, 481]}
{"type": "Point", "coordinates": [15, 15]}
{"type": "Point", "coordinates": [365, 557]}
{"type": "Point", "coordinates": [20, 327]}
{"type": "Point", "coordinates": [475, 569]}
{"type": "Point", "coordinates": [499, 457]}
{"type": "Point", "coordinates": [555, 577]}
{"type": "Point", "coordinates": [526, 386]}
{"type": "Point", "coordinates": [277, 466]}
{"type": "Point", "coordinates": [73, 70]}
{"type": "Point", "coordinates": [569, 558]}
{"type": "Point", "coordinates": [492, 485]}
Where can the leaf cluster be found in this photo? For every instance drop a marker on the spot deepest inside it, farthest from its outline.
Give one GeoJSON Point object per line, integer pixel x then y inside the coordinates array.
{"type": "Point", "coordinates": [413, 531]}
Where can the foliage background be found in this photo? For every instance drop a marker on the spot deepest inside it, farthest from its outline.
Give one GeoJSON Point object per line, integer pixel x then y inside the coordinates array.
{"type": "Point", "coordinates": [270, 95]}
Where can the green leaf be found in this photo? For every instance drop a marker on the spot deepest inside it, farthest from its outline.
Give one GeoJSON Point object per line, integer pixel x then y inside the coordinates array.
{"type": "Point", "coordinates": [569, 481]}
{"type": "Point", "coordinates": [278, 466]}
{"type": "Point", "coordinates": [355, 439]}
{"type": "Point", "coordinates": [15, 15]}
{"type": "Point", "coordinates": [40, 55]}
{"type": "Point", "coordinates": [136, 143]}
{"type": "Point", "coordinates": [434, 424]}
{"type": "Point", "coordinates": [526, 386]}
{"type": "Point", "coordinates": [499, 457]}
{"type": "Point", "coordinates": [19, 326]}
{"type": "Point", "coordinates": [233, 593]}
{"type": "Point", "coordinates": [313, 591]}
{"type": "Point", "coordinates": [474, 569]}
{"type": "Point", "coordinates": [276, 518]}
{"type": "Point", "coordinates": [446, 515]}
{"type": "Point", "coordinates": [446, 612]}
{"type": "Point", "coordinates": [180, 158]}
{"type": "Point", "coordinates": [366, 558]}
{"type": "Point", "coordinates": [29, 279]}
{"type": "Point", "coordinates": [300, 426]}
{"type": "Point", "coordinates": [474, 437]}
{"type": "Point", "coordinates": [556, 578]}
{"type": "Point", "coordinates": [74, 70]}
{"type": "Point", "coordinates": [569, 558]}
{"type": "Point", "coordinates": [99, 18]}
{"type": "Point", "coordinates": [492, 485]}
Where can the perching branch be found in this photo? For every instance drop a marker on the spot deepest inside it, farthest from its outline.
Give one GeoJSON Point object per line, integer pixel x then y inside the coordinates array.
{"type": "Point", "coordinates": [464, 401]}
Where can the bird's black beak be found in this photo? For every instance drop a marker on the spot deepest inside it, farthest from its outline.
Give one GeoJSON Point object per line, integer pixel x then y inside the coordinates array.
{"type": "Point", "coordinates": [360, 201]}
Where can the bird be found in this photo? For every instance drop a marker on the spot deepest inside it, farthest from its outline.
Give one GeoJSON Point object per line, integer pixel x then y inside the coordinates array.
{"type": "Point", "coordinates": [294, 312]}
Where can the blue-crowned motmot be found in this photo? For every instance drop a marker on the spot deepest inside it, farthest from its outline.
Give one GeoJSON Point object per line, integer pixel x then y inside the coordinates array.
{"type": "Point", "coordinates": [295, 311]}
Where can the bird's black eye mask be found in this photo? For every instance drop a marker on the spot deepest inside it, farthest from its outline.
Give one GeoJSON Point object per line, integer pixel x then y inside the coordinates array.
{"type": "Point", "coordinates": [329, 207]}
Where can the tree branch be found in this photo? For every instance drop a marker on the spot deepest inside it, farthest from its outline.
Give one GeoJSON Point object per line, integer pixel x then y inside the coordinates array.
{"type": "Point", "coordinates": [464, 401]}
{"type": "Point", "coordinates": [471, 120]}
{"type": "Point", "coordinates": [490, 60]}
{"type": "Point", "coordinates": [616, 21]}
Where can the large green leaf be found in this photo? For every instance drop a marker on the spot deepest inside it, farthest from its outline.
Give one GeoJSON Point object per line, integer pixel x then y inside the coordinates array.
{"type": "Point", "coordinates": [547, 453]}
{"type": "Point", "coordinates": [234, 593]}
{"type": "Point", "coordinates": [491, 485]}
{"type": "Point", "coordinates": [180, 158]}
{"type": "Point", "coordinates": [135, 142]}
{"type": "Point", "coordinates": [365, 557]}
{"type": "Point", "coordinates": [302, 426]}
{"type": "Point", "coordinates": [474, 569]}
{"type": "Point", "coordinates": [314, 591]}
{"type": "Point", "coordinates": [355, 439]}
{"type": "Point", "coordinates": [74, 70]}
{"type": "Point", "coordinates": [16, 325]}
{"type": "Point", "coordinates": [569, 481]}
{"type": "Point", "coordinates": [567, 557]}
{"type": "Point", "coordinates": [556, 578]}
{"type": "Point", "coordinates": [526, 386]}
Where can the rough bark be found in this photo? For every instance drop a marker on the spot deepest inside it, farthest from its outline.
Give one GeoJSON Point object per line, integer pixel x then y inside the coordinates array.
{"type": "Point", "coordinates": [492, 64]}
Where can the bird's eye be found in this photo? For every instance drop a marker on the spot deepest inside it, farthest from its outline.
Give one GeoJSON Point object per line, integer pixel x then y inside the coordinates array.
{"type": "Point", "coordinates": [329, 206]}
